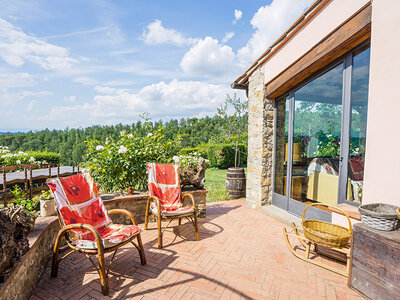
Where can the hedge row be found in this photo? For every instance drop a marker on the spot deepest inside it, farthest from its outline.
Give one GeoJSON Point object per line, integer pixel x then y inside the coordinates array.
{"type": "Point", "coordinates": [50, 157]}
{"type": "Point", "coordinates": [219, 155]}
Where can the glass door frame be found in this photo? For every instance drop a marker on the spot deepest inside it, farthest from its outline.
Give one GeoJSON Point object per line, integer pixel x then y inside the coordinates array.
{"type": "Point", "coordinates": [286, 202]}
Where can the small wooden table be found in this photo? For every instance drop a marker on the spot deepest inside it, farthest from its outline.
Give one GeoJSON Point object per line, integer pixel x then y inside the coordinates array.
{"type": "Point", "coordinates": [375, 262]}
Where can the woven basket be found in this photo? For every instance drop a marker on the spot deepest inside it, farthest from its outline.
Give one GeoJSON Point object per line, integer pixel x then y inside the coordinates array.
{"type": "Point", "coordinates": [379, 216]}
{"type": "Point", "coordinates": [324, 233]}
{"type": "Point", "coordinates": [398, 212]}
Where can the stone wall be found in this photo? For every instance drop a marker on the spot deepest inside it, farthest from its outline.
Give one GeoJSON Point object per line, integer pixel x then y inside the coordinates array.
{"type": "Point", "coordinates": [136, 204]}
{"type": "Point", "coordinates": [260, 143]}
{"type": "Point", "coordinates": [23, 279]}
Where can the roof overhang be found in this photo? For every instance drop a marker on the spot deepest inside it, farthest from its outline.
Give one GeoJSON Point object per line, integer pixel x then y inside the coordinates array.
{"type": "Point", "coordinates": [243, 80]}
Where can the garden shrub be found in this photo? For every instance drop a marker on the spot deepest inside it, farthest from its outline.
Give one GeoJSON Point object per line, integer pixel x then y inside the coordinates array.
{"type": "Point", "coordinates": [8, 158]}
{"type": "Point", "coordinates": [121, 163]}
{"type": "Point", "coordinates": [49, 157]}
{"type": "Point", "coordinates": [186, 151]}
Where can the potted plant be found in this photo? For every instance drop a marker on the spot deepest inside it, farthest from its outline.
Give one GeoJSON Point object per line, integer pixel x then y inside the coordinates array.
{"type": "Point", "coordinates": [31, 206]}
{"type": "Point", "coordinates": [235, 183]}
{"type": "Point", "coordinates": [47, 204]}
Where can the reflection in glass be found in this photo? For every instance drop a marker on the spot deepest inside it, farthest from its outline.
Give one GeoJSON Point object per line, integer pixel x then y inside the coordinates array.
{"type": "Point", "coordinates": [358, 124]}
{"type": "Point", "coordinates": [282, 127]}
{"type": "Point", "coordinates": [316, 138]}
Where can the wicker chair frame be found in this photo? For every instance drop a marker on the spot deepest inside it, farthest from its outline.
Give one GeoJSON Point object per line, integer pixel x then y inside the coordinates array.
{"type": "Point", "coordinates": [100, 251]}
{"type": "Point", "coordinates": [191, 217]}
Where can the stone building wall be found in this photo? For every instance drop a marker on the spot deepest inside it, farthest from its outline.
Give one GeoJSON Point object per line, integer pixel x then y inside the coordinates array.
{"type": "Point", "coordinates": [260, 143]}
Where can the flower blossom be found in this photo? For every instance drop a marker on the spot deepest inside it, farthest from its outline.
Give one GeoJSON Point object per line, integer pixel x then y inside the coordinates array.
{"type": "Point", "coordinates": [99, 147]}
{"type": "Point", "coordinates": [122, 149]}
{"type": "Point", "coordinates": [31, 159]}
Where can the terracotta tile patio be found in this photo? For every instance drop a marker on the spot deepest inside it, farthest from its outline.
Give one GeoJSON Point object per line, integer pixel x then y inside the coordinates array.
{"type": "Point", "coordinates": [241, 255]}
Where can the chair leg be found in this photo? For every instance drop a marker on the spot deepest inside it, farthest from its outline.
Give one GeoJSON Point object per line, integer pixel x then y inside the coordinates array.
{"type": "Point", "coordinates": [196, 227]}
{"type": "Point", "coordinates": [103, 275]}
{"type": "Point", "coordinates": [146, 218]}
{"type": "Point", "coordinates": [141, 250]}
{"type": "Point", "coordinates": [308, 250]}
{"type": "Point", "coordinates": [179, 221]}
{"type": "Point", "coordinates": [54, 263]}
{"type": "Point", "coordinates": [160, 241]}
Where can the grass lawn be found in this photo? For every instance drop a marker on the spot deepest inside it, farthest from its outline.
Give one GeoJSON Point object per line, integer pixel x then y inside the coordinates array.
{"type": "Point", "coordinates": [215, 184]}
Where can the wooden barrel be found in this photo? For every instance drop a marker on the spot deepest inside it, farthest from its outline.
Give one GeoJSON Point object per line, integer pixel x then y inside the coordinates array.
{"type": "Point", "coordinates": [235, 183]}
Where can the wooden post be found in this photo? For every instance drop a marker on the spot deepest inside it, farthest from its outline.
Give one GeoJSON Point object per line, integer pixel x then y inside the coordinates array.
{"type": "Point", "coordinates": [49, 170]}
{"type": "Point", "coordinates": [58, 170]}
{"type": "Point", "coordinates": [73, 169]}
{"type": "Point", "coordinates": [4, 188]}
{"type": "Point", "coordinates": [30, 182]}
{"type": "Point", "coordinates": [26, 182]}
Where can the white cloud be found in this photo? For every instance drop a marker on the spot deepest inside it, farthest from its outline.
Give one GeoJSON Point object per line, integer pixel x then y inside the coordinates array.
{"type": "Point", "coordinates": [238, 16]}
{"type": "Point", "coordinates": [25, 94]}
{"type": "Point", "coordinates": [125, 52]}
{"type": "Point", "coordinates": [228, 36]}
{"type": "Point", "coordinates": [85, 80]}
{"type": "Point", "coordinates": [70, 98]}
{"type": "Point", "coordinates": [156, 33]}
{"type": "Point", "coordinates": [13, 101]}
{"type": "Point", "coordinates": [269, 23]}
{"type": "Point", "coordinates": [175, 99]}
{"type": "Point", "coordinates": [106, 90]}
{"type": "Point", "coordinates": [31, 105]}
{"type": "Point", "coordinates": [16, 47]}
{"type": "Point", "coordinates": [208, 58]}
{"type": "Point", "coordinates": [15, 80]}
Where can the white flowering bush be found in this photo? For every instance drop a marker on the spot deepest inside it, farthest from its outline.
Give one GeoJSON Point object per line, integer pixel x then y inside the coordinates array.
{"type": "Point", "coordinates": [13, 159]}
{"type": "Point", "coordinates": [8, 158]}
{"type": "Point", "coordinates": [121, 163]}
{"type": "Point", "coordinates": [188, 160]}
{"type": "Point", "coordinates": [4, 149]}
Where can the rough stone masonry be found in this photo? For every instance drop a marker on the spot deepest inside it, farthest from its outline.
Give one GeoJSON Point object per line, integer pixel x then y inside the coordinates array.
{"type": "Point", "coordinates": [260, 142]}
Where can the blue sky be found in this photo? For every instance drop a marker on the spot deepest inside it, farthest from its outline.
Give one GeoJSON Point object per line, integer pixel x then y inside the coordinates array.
{"type": "Point", "coordinates": [82, 63]}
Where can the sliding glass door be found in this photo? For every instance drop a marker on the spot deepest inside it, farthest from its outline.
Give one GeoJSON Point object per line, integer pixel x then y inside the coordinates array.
{"type": "Point", "coordinates": [320, 133]}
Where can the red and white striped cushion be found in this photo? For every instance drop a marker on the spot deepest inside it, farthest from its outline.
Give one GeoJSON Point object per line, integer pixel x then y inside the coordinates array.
{"type": "Point", "coordinates": [179, 211]}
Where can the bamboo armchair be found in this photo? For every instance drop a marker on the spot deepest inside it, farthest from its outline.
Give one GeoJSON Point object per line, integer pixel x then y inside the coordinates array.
{"type": "Point", "coordinates": [165, 201]}
{"type": "Point", "coordinates": [98, 238]}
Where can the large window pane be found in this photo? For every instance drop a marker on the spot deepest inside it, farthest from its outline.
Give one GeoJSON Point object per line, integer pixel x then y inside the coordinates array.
{"type": "Point", "coordinates": [358, 124]}
{"type": "Point", "coordinates": [282, 127]}
{"type": "Point", "coordinates": [316, 139]}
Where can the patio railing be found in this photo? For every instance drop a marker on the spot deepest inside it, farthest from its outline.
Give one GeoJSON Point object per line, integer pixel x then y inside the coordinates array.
{"type": "Point", "coordinates": [30, 178]}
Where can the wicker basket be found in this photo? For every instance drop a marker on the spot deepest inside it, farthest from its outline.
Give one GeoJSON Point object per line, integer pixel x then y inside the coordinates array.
{"type": "Point", "coordinates": [398, 212]}
{"type": "Point", "coordinates": [379, 216]}
{"type": "Point", "coordinates": [324, 233]}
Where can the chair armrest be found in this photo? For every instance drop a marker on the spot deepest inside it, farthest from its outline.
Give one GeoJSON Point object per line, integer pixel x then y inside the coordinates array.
{"type": "Point", "coordinates": [122, 211]}
{"type": "Point", "coordinates": [191, 197]}
{"type": "Point", "coordinates": [157, 201]}
{"type": "Point", "coordinates": [93, 230]}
